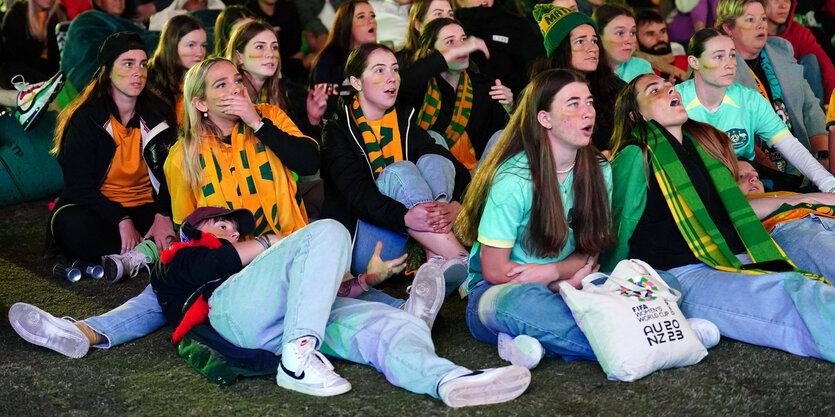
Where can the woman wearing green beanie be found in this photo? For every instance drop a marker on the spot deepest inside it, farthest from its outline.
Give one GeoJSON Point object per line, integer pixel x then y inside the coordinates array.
{"type": "Point", "coordinates": [572, 42]}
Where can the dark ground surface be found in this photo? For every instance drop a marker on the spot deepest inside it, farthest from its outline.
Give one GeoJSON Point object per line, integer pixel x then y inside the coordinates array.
{"type": "Point", "coordinates": [145, 377]}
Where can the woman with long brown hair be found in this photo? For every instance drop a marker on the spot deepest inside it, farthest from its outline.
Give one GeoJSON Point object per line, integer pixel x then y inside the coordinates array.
{"type": "Point", "coordinates": [536, 213]}
{"type": "Point", "coordinates": [677, 206]}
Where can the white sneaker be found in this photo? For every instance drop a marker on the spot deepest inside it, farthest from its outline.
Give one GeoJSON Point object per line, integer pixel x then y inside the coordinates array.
{"type": "Point", "coordinates": [313, 373]}
{"type": "Point", "coordinates": [487, 386]}
{"type": "Point", "coordinates": [34, 99]}
{"type": "Point", "coordinates": [43, 329]}
{"type": "Point", "coordinates": [426, 294]}
{"type": "Point", "coordinates": [115, 266]}
{"type": "Point", "coordinates": [521, 350]}
{"type": "Point", "coordinates": [706, 331]}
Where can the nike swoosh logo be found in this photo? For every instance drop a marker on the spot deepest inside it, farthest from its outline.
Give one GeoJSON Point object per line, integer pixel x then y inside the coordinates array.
{"type": "Point", "coordinates": [290, 373]}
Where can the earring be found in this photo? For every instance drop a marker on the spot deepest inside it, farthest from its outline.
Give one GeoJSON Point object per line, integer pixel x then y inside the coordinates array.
{"type": "Point", "coordinates": [205, 115]}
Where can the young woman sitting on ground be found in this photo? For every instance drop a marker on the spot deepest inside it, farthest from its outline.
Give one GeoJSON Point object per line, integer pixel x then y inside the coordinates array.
{"type": "Point", "coordinates": [380, 169]}
{"type": "Point", "coordinates": [677, 207]}
{"type": "Point", "coordinates": [537, 213]}
{"type": "Point", "coordinates": [111, 143]}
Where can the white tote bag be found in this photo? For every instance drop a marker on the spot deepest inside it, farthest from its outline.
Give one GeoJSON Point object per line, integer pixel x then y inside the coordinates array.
{"type": "Point", "coordinates": [632, 322]}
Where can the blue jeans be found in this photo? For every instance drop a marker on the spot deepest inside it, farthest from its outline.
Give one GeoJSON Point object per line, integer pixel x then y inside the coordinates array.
{"type": "Point", "coordinates": [431, 179]}
{"type": "Point", "coordinates": [809, 242]}
{"type": "Point", "coordinates": [289, 291]}
{"type": "Point", "coordinates": [526, 309]}
{"type": "Point", "coordinates": [786, 311]}
{"type": "Point", "coordinates": [137, 317]}
{"type": "Point", "coordinates": [812, 75]}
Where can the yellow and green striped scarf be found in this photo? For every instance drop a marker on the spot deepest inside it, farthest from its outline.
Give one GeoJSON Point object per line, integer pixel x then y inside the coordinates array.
{"type": "Point", "coordinates": [386, 149]}
{"type": "Point", "coordinates": [693, 220]}
{"type": "Point", "coordinates": [456, 136]}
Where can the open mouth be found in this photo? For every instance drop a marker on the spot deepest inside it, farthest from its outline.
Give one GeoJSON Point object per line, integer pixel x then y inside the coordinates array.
{"type": "Point", "coordinates": [675, 102]}
{"type": "Point", "coordinates": [391, 92]}
{"type": "Point", "coordinates": [588, 130]}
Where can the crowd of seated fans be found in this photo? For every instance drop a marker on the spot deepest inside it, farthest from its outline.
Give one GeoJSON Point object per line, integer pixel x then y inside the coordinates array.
{"type": "Point", "coordinates": [267, 161]}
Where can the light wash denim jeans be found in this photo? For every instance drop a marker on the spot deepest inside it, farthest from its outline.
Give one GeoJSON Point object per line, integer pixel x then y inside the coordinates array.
{"type": "Point", "coordinates": [137, 317]}
{"type": "Point", "coordinates": [786, 311]}
{"type": "Point", "coordinates": [289, 291]}
{"type": "Point", "coordinates": [532, 310]}
{"type": "Point", "coordinates": [431, 179]}
{"type": "Point", "coordinates": [810, 242]}
{"type": "Point", "coordinates": [526, 309]}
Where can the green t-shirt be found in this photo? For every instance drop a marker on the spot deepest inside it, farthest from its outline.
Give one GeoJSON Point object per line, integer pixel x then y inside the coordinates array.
{"type": "Point", "coordinates": [743, 114]}
{"type": "Point", "coordinates": [633, 68]}
{"type": "Point", "coordinates": [507, 210]}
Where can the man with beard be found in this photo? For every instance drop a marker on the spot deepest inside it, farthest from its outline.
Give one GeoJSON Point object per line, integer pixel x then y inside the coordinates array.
{"type": "Point", "coordinates": [654, 46]}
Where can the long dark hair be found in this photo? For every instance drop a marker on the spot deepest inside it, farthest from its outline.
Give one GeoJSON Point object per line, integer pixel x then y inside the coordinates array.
{"type": "Point", "coordinates": [632, 129]}
{"type": "Point", "coordinates": [100, 89]}
{"type": "Point", "coordinates": [165, 72]}
{"type": "Point", "coordinates": [429, 35]}
{"type": "Point", "coordinates": [603, 84]}
{"type": "Point", "coordinates": [223, 26]}
{"type": "Point", "coordinates": [416, 14]}
{"type": "Point", "coordinates": [358, 59]}
{"type": "Point", "coordinates": [339, 39]}
{"type": "Point", "coordinates": [547, 229]}
{"type": "Point", "coordinates": [237, 43]}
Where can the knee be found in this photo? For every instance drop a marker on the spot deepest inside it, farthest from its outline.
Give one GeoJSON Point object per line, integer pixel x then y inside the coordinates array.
{"type": "Point", "coordinates": [434, 163]}
{"type": "Point", "coordinates": [330, 230]}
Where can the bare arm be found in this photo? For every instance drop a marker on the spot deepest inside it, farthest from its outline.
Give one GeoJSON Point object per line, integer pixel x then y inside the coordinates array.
{"type": "Point", "coordinates": [763, 206]}
{"type": "Point", "coordinates": [498, 269]}
{"type": "Point", "coordinates": [248, 250]}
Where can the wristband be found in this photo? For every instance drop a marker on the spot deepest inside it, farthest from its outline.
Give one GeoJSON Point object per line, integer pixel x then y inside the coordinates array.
{"type": "Point", "coordinates": [264, 241]}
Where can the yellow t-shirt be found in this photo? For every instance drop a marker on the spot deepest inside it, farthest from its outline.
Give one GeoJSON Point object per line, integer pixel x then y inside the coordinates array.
{"type": "Point", "coordinates": [128, 181]}
{"type": "Point", "coordinates": [830, 114]}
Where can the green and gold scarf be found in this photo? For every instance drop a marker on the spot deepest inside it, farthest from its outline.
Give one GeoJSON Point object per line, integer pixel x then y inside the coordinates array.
{"type": "Point", "coordinates": [386, 149]}
{"type": "Point", "coordinates": [456, 136]}
{"type": "Point", "coordinates": [693, 220]}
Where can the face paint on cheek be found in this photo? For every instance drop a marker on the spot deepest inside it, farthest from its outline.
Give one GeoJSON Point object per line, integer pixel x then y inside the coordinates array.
{"type": "Point", "coordinates": [746, 26]}
{"type": "Point", "coordinates": [652, 99]}
{"type": "Point", "coordinates": [378, 80]}
{"type": "Point", "coordinates": [255, 56]}
{"type": "Point", "coordinates": [571, 114]}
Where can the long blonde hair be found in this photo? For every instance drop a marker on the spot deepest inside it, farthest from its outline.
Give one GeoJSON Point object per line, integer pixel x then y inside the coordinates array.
{"type": "Point", "coordinates": [38, 30]}
{"type": "Point", "coordinates": [196, 128]}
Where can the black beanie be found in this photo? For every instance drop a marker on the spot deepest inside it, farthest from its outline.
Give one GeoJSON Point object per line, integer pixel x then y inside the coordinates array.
{"type": "Point", "coordinates": [117, 44]}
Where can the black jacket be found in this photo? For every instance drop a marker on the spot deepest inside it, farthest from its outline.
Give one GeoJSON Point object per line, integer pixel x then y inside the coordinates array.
{"type": "Point", "coordinates": [513, 41]}
{"type": "Point", "coordinates": [487, 115]}
{"type": "Point", "coordinates": [351, 192]}
{"type": "Point", "coordinates": [87, 151]}
{"type": "Point", "coordinates": [192, 271]}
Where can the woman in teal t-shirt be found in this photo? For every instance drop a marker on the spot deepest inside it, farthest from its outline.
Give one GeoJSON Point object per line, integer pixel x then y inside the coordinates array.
{"type": "Point", "coordinates": [537, 213]}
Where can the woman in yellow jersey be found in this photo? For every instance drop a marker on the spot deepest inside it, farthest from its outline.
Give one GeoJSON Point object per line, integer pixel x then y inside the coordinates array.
{"type": "Point", "coordinates": [238, 155]}
{"type": "Point", "coordinates": [253, 48]}
{"type": "Point", "coordinates": [181, 46]}
{"type": "Point", "coordinates": [111, 144]}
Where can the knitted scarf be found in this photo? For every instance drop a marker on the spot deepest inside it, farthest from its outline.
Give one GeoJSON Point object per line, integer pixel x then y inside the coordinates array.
{"type": "Point", "coordinates": [776, 90]}
{"type": "Point", "coordinates": [456, 136]}
{"type": "Point", "coordinates": [251, 176]}
{"type": "Point", "coordinates": [693, 220]}
{"type": "Point", "coordinates": [382, 151]}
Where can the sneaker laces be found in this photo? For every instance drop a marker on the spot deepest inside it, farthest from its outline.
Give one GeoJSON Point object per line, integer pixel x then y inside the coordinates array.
{"type": "Point", "coordinates": [318, 363]}
{"type": "Point", "coordinates": [134, 260]}
{"type": "Point", "coordinates": [20, 85]}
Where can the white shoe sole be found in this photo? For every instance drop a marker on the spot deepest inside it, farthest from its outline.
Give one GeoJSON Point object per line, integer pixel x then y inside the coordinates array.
{"type": "Point", "coordinates": [286, 382]}
{"type": "Point", "coordinates": [41, 328]}
{"type": "Point", "coordinates": [492, 387]}
{"type": "Point", "coordinates": [428, 284]}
